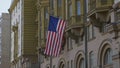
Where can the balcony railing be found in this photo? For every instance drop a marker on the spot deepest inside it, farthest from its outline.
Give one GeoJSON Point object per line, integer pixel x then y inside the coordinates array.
{"type": "Point", "coordinates": [96, 4]}
{"type": "Point", "coordinates": [108, 66]}
{"type": "Point", "coordinates": [103, 2]}
{"type": "Point", "coordinates": [75, 21]}
{"type": "Point", "coordinates": [112, 27]}
{"type": "Point", "coordinates": [118, 16]}
{"type": "Point", "coordinates": [106, 3]}
{"type": "Point", "coordinates": [92, 4]}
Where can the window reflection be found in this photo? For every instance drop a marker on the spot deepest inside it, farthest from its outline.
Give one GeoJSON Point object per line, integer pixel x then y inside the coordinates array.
{"type": "Point", "coordinates": [108, 57]}
{"type": "Point", "coordinates": [78, 7]}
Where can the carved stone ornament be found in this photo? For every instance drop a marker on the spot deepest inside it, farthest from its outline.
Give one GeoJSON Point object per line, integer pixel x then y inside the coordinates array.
{"type": "Point", "coordinates": [14, 28]}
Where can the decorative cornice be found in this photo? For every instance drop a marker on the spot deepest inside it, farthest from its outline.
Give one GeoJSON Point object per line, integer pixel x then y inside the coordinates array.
{"type": "Point", "coordinates": [13, 4]}
{"type": "Point", "coordinates": [14, 28]}
{"type": "Point", "coordinates": [115, 57]}
{"type": "Point", "coordinates": [116, 5]}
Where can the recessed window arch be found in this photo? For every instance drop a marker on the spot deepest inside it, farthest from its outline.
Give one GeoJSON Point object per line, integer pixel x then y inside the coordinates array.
{"type": "Point", "coordinates": [91, 59]}
{"type": "Point", "coordinates": [108, 57]}
{"type": "Point", "coordinates": [80, 62]}
{"type": "Point", "coordinates": [47, 66]}
{"type": "Point", "coordinates": [105, 57]}
{"type": "Point", "coordinates": [62, 63]}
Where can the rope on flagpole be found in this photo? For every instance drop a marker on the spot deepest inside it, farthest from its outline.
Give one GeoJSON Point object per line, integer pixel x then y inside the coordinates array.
{"type": "Point", "coordinates": [85, 33]}
{"type": "Point", "coordinates": [51, 13]}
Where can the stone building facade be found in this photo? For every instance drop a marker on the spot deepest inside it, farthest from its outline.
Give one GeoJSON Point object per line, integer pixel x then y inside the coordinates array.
{"type": "Point", "coordinates": [103, 33]}
{"type": "Point", "coordinates": [23, 34]}
{"type": "Point", "coordinates": [5, 40]}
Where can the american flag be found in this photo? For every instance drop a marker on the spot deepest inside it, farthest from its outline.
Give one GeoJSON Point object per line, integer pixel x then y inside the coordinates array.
{"type": "Point", "coordinates": [54, 36]}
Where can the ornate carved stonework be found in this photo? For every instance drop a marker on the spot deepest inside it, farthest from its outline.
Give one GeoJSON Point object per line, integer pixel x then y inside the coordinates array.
{"type": "Point", "coordinates": [14, 28]}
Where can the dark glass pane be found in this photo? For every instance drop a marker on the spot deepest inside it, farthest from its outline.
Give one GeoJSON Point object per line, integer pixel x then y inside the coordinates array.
{"type": "Point", "coordinates": [108, 57]}
{"type": "Point", "coordinates": [59, 3]}
{"type": "Point", "coordinates": [70, 10]}
{"type": "Point", "coordinates": [78, 7]}
{"type": "Point", "coordinates": [81, 63]}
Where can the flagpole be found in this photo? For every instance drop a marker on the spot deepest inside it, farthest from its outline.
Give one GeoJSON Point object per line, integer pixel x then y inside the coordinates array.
{"type": "Point", "coordinates": [51, 13]}
{"type": "Point", "coordinates": [39, 36]}
{"type": "Point", "coordinates": [85, 33]}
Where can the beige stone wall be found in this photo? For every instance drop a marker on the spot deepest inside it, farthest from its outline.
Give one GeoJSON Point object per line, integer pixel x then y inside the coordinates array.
{"type": "Point", "coordinates": [98, 44]}
{"type": "Point", "coordinates": [94, 45]}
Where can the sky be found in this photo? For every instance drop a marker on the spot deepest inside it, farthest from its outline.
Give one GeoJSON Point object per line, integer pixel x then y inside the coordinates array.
{"type": "Point", "coordinates": [4, 5]}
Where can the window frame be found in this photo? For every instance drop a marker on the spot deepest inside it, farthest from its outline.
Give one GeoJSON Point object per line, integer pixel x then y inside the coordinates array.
{"type": "Point", "coordinates": [59, 8]}
{"type": "Point", "coordinates": [90, 28]}
{"type": "Point", "coordinates": [81, 63]}
{"type": "Point", "coordinates": [91, 59]}
{"type": "Point", "coordinates": [70, 9]}
{"type": "Point", "coordinates": [69, 43]}
{"type": "Point", "coordinates": [107, 57]}
{"type": "Point", "coordinates": [78, 7]}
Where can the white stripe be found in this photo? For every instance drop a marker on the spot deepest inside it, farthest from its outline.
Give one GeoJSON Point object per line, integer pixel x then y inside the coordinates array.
{"type": "Point", "coordinates": [53, 39]}
{"type": "Point", "coordinates": [58, 24]}
{"type": "Point", "coordinates": [60, 36]}
{"type": "Point", "coordinates": [53, 35]}
{"type": "Point", "coordinates": [49, 44]}
{"type": "Point", "coordinates": [54, 46]}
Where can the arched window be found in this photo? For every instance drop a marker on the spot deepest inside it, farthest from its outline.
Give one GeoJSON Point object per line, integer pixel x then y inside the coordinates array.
{"type": "Point", "coordinates": [81, 63]}
{"type": "Point", "coordinates": [91, 60]}
{"type": "Point", "coordinates": [107, 57]}
{"type": "Point", "coordinates": [62, 65]}
{"type": "Point", "coordinates": [78, 7]}
{"type": "Point", "coordinates": [48, 66]}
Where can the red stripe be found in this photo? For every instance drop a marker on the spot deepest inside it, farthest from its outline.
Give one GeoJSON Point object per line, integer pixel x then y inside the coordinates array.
{"type": "Point", "coordinates": [61, 38]}
{"type": "Point", "coordinates": [54, 45]}
{"type": "Point", "coordinates": [57, 37]}
{"type": "Point", "coordinates": [50, 46]}
{"type": "Point", "coordinates": [60, 33]}
{"type": "Point", "coordinates": [54, 40]}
